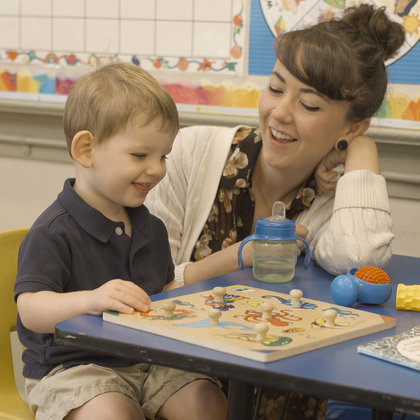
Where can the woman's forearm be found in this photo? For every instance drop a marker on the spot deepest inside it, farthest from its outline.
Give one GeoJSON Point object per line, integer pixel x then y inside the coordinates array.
{"type": "Point", "coordinates": [217, 264]}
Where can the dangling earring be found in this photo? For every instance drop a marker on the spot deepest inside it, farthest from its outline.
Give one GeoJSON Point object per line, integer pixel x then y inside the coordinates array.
{"type": "Point", "coordinates": [341, 144]}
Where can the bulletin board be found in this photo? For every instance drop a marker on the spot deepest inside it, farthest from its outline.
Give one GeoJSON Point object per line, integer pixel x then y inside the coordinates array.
{"type": "Point", "coordinates": [49, 43]}
{"type": "Point", "coordinates": [211, 55]}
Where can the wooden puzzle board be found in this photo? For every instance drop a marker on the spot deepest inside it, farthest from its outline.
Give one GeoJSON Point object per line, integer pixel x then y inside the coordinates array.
{"type": "Point", "coordinates": [294, 326]}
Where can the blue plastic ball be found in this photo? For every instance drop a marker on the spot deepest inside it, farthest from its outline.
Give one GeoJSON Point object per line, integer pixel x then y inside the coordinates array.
{"type": "Point", "coordinates": [344, 291]}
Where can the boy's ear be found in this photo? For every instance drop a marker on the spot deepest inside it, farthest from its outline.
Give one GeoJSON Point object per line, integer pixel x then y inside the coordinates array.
{"type": "Point", "coordinates": [81, 148]}
{"type": "Point", "coordinates": [358, 128]}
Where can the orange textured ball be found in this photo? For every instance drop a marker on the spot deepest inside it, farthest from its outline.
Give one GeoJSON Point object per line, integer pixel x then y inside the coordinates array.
{"type": "Point", "coordinates": [372, 274]}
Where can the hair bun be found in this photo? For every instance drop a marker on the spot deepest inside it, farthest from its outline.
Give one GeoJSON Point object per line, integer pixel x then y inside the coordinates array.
{"type": "Point", "coordinates": [374, 23]}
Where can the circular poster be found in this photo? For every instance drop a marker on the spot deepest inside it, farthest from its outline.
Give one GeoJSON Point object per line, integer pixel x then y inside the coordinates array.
{"type": "Point", "coordinates": [287, 15]}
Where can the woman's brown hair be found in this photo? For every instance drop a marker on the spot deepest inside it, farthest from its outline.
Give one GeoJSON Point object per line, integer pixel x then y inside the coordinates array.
{"type": "Point", "coordinates": [344, 59]}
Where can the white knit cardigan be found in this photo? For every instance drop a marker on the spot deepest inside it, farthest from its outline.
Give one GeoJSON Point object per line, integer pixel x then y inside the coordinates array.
{"type": "Point", "coordinates": [352, 229]}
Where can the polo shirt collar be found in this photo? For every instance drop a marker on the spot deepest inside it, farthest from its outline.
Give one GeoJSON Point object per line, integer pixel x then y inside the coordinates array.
{"type": "Point", "coordinates": [93, 221]}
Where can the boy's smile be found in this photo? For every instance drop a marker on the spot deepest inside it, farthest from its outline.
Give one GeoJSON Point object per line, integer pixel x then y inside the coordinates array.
{"type": "Point", "coordinates": [143, 188]}
{"type": "Point", "coordinates": [124, 168]}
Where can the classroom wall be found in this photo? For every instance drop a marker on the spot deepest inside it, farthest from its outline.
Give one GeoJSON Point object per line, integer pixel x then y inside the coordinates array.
{"type": "Point", "coordinates": [217, 77]}
{"type": "Point", "coordinates": [27, 187]}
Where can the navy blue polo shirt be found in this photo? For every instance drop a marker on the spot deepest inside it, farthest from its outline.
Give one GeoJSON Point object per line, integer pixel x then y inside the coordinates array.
{"type": "Point", "coordinates": [73, 247]}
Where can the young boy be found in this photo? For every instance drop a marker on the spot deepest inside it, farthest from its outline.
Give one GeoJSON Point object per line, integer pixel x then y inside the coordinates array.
{"type": "Point", "coordinates": [97, 248]}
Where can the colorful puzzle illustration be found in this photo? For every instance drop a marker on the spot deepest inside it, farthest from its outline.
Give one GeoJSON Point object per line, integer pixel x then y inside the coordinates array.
{"type": "Point", "coordinates": [254, 323]}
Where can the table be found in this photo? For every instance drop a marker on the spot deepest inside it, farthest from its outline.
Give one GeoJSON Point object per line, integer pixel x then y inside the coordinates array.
{"type": "Point", "coordinates": [336, 372]}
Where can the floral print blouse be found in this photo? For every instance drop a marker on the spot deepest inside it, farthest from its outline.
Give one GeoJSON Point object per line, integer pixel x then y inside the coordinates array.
{"type": "Point", "coordinates": [231, 216]}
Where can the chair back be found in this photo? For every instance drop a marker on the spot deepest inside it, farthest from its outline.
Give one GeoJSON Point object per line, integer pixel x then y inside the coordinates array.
{"type": "Point", "coordinates": [11, 405]}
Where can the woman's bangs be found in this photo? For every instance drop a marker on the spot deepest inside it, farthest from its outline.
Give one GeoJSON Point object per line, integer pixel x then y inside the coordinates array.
{"type": "Point", "coordinates": [316, 62]}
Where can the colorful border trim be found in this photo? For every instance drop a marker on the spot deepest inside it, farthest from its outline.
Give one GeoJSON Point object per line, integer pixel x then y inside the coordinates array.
{"type": "Point", "coordinates": [397, 105]}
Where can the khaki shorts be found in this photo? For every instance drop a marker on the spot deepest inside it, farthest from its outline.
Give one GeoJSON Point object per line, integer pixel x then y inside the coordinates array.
{"type": "Point", "coordinates": [63, 390]}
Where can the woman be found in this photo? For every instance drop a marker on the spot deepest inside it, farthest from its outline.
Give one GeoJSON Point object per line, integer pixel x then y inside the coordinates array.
{"type": "Point", "coordinates": [326, 84]}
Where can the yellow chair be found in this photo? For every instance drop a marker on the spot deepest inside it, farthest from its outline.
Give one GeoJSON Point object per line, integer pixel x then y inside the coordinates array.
{"type": "Point", "coordinates": [11, 404]}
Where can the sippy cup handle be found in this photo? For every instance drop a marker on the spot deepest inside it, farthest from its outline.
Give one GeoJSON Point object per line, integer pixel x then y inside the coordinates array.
{"type": "Point", "coordinates": [307, 259]}
{"type": "Point", "coordinates": [247, 239]}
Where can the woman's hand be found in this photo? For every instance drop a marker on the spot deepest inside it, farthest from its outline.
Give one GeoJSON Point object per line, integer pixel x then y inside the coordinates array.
{"type": "Point", "coordinates": [302, 232]}
{"type": "Point", "coordinates": [361, 153]}
{"type": "Point", "coordinates": [325, 176]}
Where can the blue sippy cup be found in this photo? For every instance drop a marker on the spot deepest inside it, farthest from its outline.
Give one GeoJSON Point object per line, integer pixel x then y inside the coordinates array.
{"type": "Point", "coordinates": [274, 247]}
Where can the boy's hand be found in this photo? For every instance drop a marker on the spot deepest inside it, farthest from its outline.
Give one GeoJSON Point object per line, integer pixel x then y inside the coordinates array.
{"type": "Point", "coordinates": [117, 295]}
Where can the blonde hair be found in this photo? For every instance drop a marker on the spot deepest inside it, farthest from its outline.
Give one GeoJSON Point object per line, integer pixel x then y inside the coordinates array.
{"type": "Point", "coordinates": [114, 96]}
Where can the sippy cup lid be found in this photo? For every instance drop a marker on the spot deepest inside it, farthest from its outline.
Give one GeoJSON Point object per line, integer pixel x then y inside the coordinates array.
{"type": "Point", "coordinates": [276, 227]}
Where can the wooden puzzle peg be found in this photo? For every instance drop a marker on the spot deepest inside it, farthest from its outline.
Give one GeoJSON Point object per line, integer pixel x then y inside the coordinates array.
{"type": "Point", "coordinates": [295, 296]}
{"type": "Point", "coordinates": [329, 317]}
{"type": "Point", "coordinates": [214, 316]}
{"type": "Point", "coordinates": [267, 309]}
{"type": "Point", "coordinates": [219, 294]}
{"type": "Point", "coordinates": [261, 330]}
{"type": "Point", "coordinates": [168, 309]}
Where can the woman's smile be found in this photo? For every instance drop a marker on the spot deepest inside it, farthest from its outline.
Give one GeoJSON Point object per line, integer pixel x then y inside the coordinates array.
{"type": "Point", "coordinates": [281, 136]}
